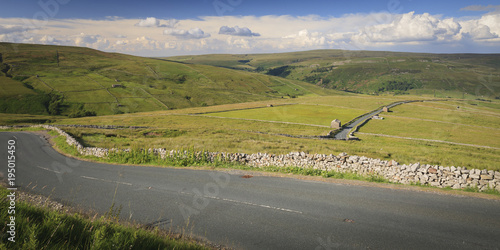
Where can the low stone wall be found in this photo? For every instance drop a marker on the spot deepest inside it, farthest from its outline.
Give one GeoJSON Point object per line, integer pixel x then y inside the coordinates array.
{"type": "Point", "coordinates": [438, 176]}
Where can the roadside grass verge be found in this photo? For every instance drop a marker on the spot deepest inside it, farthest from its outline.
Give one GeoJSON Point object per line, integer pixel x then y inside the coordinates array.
{"type": "Point", "coordinates": [22, 119]}
{"type": "Point", "coordinates": [200, 136]}
{"type": "Point", "coordinates": [191, 158]}
{"type": "Point", "coordinates": [41, 228]}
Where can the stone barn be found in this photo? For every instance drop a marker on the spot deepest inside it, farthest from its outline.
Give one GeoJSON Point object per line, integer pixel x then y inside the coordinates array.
{"type": "Point", "coordinates": [385, 109]}
{"type": "Point", "coordinates": [335, 124]}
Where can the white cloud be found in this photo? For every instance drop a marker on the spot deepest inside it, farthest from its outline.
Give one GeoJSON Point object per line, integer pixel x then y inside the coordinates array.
{"type": "Point", "coordinates": [154, 22]}
{"type": "Point", "coordinates": [195, 33]}
{"type": "Point", "coordinates": [236, 31]}
{"type": "Point", "coordinates": [91, 41]}
{"type": "Point", "coordinates": [410, 28]}
{"type": "Point", "coordinates": [6, 29]}
{"type": "Point", "coordinates": [149, 22]}
{"type": "Point", "coordinates": [403, 32]}
{"type": "Point", "coordinates": [487, 27]}
{"type": "Point", "coordinates": [171, 23]}
{"type": "Point", "coordinates": [306, 39]}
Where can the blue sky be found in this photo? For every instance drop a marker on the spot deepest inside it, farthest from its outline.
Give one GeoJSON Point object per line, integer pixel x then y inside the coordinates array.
{"type": "Point", "coordinates": [165, 27]}
{"type": "Point", "coordinates": [99, 9]}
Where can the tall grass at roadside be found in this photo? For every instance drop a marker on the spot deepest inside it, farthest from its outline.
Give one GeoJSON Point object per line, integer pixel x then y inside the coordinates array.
{"type": "Point", "coordinates": [41, 228]}
{"type": "Point", "coordinates": [178, 158]}
{"type": "Point", "coordinates": [192, 158]}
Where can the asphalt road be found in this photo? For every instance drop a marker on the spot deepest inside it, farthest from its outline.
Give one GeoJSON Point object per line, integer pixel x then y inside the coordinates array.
{"type": "Point", "coordinates": [261, 212]}
{"type": "Point", "coordinates": [344, 133]}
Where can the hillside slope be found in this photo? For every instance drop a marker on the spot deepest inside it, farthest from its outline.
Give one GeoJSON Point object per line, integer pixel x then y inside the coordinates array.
{"type": "Point", "coordinates": [373, 71]}
{"type": "Point", "coordinates": [75, 81]}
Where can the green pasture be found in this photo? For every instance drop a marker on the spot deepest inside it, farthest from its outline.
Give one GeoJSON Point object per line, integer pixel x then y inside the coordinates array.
{"type": "Point", "coordinates": [9, 87]}
{"type": "Point", "coordinates": [435, 131]}
{"type": "Point", "coordinates": [298, 113]}
{"type": "Point", "coordinates": [72, 83]}
{"type": "Point", "coordinates": [215, 129]}
{"type": "Point", "coordinates": [448, 112]}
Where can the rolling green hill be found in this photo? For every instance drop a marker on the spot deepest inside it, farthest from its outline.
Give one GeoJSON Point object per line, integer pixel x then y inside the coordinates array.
{"type": "Point", "coordinates": [373, 72]}
{"type": "Point", "coordinates": [73, 81]}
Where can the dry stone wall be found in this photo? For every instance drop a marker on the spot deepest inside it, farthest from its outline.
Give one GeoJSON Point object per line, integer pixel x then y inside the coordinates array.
{"type": "Point", "coordinates": [438, 176]}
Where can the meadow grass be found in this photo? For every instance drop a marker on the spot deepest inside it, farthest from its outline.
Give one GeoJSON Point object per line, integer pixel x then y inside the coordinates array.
{"type": "Point", "coordinates": [401, 150]}
{"type": "Point", "coordinates": [250, 136]}
{"type": "Point", "coordinates": [447, 112]}
{"type": "Point", "coordinates": [426, 120]}
{"type": "Point", "coordinates": [71, 83]}
{"type": "Point", "coordinates": [404, 127]}
{"type": "Point", "coordinates": [41, 228]}
{"type": "Point", "coordinates": [22, 119]}
{"type": "Point", "coordinates": [9, 87]}
{"type": "Point", "coordinates": [306, 114]}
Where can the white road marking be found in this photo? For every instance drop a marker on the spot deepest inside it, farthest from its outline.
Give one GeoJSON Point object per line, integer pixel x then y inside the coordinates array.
{"type": "Point", "coordinates": [246, 203]}
{"type": "Point", "coordinates": [258, 205]}
{"type": "Point", "coordinates": [97, 179]}
{"type": "Point", "coordinates": [50, 170]}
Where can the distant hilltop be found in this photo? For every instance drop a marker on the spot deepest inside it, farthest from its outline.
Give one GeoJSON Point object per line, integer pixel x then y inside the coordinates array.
{"type": "Point", "coordinates": [372, 72]}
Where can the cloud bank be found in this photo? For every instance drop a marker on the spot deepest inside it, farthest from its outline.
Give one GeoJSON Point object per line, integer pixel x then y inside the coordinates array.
{"type": "Point", "coordinates": [195, 33]}
{"type": "Point", "coordinates": [236, 31]}
{"type": "Point", "coordinates": [234, 34]}
{"type": "Point", "coordinates": [153, 22]}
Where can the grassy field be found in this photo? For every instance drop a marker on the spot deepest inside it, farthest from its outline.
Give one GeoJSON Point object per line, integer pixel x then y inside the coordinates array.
{"type": "Point", "coordinates": [215, 129]}
{"type": "Point", "coordinates": [298, 113]}
{"type": "Point", "coordinates": [9, 87]}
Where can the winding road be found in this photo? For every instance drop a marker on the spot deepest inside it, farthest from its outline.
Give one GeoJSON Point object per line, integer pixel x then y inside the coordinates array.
{"type": "Point", "coordinates": [261, 212]}
{"type": "Point", "coordinates": [344, 133]}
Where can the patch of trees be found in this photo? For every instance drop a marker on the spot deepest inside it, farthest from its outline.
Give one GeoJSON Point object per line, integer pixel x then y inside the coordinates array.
{"type": "Point", "coordinates": [178, 78]}
{"type": "Point", "coordinates": [322, 69]}
{"type": "Point", "coordinates": [260, 69]}
{"type": "Point", "coordinates": [282, 71]}
{"type": "Point", "coordinates": [397, 86]}
{"type": "Point", "coordinates": [243, 61]}
{"type": "Point", "coordinates": [314, 79]}
{"type": "Point", "coordinates": [54, 104]}
{"type": "Point", "coordinates": [4, 68]}
{"type": "Point", "coordinates": [80, 111]}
